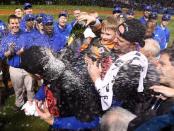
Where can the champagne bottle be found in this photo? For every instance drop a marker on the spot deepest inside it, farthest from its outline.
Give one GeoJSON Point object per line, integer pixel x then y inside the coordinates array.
{"type": "Point", "coordinates": [77, 31]}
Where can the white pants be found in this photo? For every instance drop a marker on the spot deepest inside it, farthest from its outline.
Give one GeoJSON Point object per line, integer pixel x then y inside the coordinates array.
{"type": "Point", "coordinates": [22, 81]}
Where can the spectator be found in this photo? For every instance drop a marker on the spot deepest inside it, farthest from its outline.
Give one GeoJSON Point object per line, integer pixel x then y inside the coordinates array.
{"type": "Point", "coordinates": [76, 14]}
{"type": "Point", "coordinates": [164, 22]}
{"type": "Point", "coordinates": [61, 26]}
{"type": "Point", "coordinates": [151, 49]}
{"type": "Point", "coordinates": [19, 12]}
{"type": "Point", "coordinates": [116, 11]}
{"type": "Point", "coordinates": [27, 8]}
{"type": "Point", "coordinates": [12, 49]}
{"type": "Point", "coordinates": [159, 34]}
{"type": "Point", "coordinates": [147, 12]}
{"type": "Point", "coordinates": [130, 14]}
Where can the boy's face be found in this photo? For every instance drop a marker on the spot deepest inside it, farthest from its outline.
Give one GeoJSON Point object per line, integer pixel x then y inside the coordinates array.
{"type": "Point", "coordinates": [107, 36]}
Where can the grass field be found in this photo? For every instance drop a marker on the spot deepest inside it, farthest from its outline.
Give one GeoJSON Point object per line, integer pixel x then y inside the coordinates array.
{"type": "Point", "coordinates": [19, 122]}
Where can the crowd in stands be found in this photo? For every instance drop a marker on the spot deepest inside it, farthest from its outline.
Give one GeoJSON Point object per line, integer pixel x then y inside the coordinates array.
{"type": "Point", "coordinates": [93, 74]}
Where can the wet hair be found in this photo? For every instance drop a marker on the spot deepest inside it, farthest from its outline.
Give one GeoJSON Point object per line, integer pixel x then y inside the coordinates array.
{"type": "Point", "coordinates": [134, 31]}
{"type": "Point", "coordinates": [12, 17]}
{"type": "Point", "coordinates": [69, 81]}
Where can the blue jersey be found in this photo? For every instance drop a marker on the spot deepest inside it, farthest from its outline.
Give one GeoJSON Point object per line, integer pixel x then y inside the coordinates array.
{"type": "Point", "coordinates": [160, 36]}
{"type": "Point", "coordinates": [55, 42]}
{"type": "Point", "coordinates": [72, 123]}
{"type": "Point", "coordinates": [23, 24]}
{"type": "Point", "coordinates": [64, 31]}
{"type": "Point", "coordinates": [167, 33]}
{"type": "Point", "coordinates": [16, 39]}
{"type": "Point", "coordinates": [158, 123]}
{"type": "Point", "coordinates": [3, 29]}
{"type": "Point", "coordinates": [34, 38]}
{"type": "Point", "coordinates": [143, 20]}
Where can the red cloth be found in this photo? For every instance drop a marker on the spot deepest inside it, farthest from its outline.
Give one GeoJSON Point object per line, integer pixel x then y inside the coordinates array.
{"type": "Point", "coordinates": [51, 102]}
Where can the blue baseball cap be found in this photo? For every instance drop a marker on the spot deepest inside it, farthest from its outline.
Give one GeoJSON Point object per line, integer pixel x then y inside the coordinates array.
{"type": "Point", "coordinates": [153, 15]}
{"type": "Point", "coordinates": [27, 6]}
{"type": "Point", "coordinates": [117, 9]}
{"type": "Point", "coordinates": [28, 17]}
{"type": "Point", "coordinates": [147, 8]}
{"type": "Point", "coordinates": [47, 19]}
{"type": "Point", "coordinates": [39, 17]}
{"type": "Point", "coordinates": [166, 17]}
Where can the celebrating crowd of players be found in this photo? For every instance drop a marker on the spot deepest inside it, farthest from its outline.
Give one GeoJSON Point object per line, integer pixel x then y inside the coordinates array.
{"type": "Point", "coordinates": [111, 72]}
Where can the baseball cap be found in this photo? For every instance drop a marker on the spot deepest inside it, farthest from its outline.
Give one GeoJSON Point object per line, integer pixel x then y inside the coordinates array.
{"type": "Point", "coordinates": [47, 19]}
{"type": "Point", "coordinates": [166, 17]}
{"type": "Point", "coordinates": [147, 8]}
{"type": "Point", "coordinates": [29, 17]}
{"type": "Point", "coordinates": [63, 13]}
{"type": "Point", "coordinates": [27, 6]}
{"type": "Point", "coordinates": [39, 17]}
{"type": "Point", "coordinates": [134, 31]}
{"type": "Point", "coordinates": [153, 15]}
{"type": "Point", "coordinates": [117, 9]}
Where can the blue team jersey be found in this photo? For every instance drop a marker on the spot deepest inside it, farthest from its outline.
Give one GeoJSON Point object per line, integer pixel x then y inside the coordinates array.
{"type": "Point", "coordinates": [160, 36]}
{"type": "Point", "coordinates": [17, 39]}
{"type": "Point", "coordinates": [23, 24]}
{"type": "Point", "coordinates": [34, 38]}
{"type": "Point", "coordinates": [3, 29]}
{"type": "Point", "coordinates": [63, 31]}
{"type": "Point", "coordinates": [167, 33]}
{"type": "Point", "coordinates": [55, 42]}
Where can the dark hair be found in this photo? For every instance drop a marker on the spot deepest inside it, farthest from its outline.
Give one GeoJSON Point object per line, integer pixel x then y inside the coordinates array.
{"type": "Point", "coordinates": [12, 17]}
{"type": "Point", "coordinates": [134, 31]}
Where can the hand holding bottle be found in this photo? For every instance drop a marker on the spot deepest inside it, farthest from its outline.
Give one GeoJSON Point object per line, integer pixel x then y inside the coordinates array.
{"type": "Point", "coordinates": [164, 90]}
{"type": "Point", "coordinates": [88, 18]}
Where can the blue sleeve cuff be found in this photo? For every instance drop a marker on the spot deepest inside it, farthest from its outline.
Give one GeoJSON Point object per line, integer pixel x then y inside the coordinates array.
{"type": "Point", "coordinates": [74, 124]}
{"type": "Point", "coordinates": [40, 95]}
